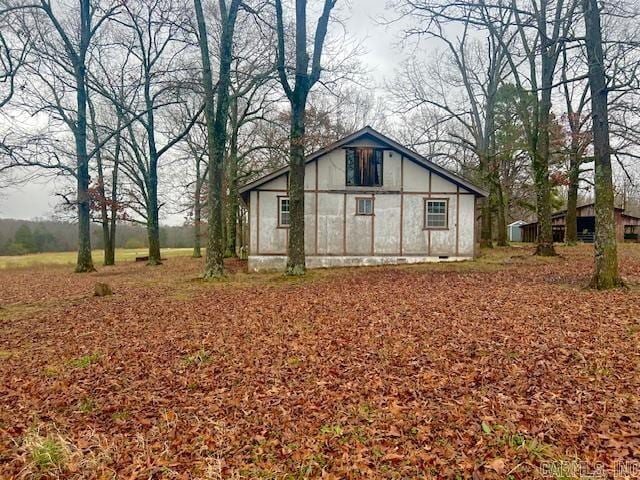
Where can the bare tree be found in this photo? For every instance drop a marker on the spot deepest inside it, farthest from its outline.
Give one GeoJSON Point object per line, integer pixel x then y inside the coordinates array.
{"type": "Point", "coordinates": [216, 126]}
{"type": "Point", "coordinates": [60, 41]}
{"type": "Point", "coordinates": [606, 274]}
{"type": "Point", "coordinates": [471, 68]}
{"type": "Point", "coordinates": [107, 204]}
{"type": "Point", "coordinates": [304, 80]}
{"type": "Point", "coordinates": [576, 97]}
{"type": "Point", "coordinates": [512, 190]}
{"type": "Point", "coordinates": [154, 40]}
{"type": "Point", "coordinates": [195, 145]}
{"type": "Point", "coordinates": [543, 30]}
{"type": "Point", "coordinates": [13, 55]}
{"type": "Point", "coordinates": [253, 96]}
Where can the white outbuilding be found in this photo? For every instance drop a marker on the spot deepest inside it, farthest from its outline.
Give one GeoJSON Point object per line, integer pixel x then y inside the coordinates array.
{"type": "Point", "coordinates": [368, 201]}
{"type": "Point", "coordinates": [514, 231]}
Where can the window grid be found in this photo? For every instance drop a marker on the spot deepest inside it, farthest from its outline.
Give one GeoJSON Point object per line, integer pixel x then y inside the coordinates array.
{"type": "Point", "coordinates": [364, 206]}
{"type": "Point", "coordinates": [284, 216]}
{"type": "Point", "coordinates": [436, 214]}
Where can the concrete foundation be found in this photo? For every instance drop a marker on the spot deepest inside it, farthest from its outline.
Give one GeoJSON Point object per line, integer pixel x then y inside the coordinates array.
{"type": "Point", "coordinates": [277, 263]}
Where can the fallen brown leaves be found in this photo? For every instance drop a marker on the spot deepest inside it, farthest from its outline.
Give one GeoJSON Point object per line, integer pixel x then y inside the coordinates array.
{"type": "Point", "coordinates": [468, 371]}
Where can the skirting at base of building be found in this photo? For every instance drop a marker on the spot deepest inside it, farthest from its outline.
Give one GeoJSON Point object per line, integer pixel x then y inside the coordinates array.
{"type": "Point", "coordinates": [275, 263]}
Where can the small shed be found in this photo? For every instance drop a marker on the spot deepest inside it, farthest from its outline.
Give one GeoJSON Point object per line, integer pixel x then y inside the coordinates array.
{"type": "Point", "coordinates": [514, 230]}
{"type": "Point", "coordinates": [627, 226]}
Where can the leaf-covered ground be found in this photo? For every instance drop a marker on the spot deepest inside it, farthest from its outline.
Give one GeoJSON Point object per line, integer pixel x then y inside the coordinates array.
{"type": "Point", "coordinates": [479, 370]}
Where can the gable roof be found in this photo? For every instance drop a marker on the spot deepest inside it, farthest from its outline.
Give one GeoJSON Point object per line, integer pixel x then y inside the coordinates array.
{"type": "Point", "coordinates": [517, 223]}
{"type": "Point", "coordinates": [369, 131]}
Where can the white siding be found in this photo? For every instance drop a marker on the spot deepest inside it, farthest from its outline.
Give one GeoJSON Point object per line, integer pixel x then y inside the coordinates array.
{"type": "Point", "coordinates": [391, 170]}
{"type": "Point", "coordinates": [439, 184]}
{"type": "Point", "coordinates": [395, 230]}
{"type": "Point", "coordinates": [359, 234]}
{"type": "Point", "coordinates": [253, 222]}
{"type": "Point", "coordinates": [387, 224]}
{"type": "Point", "coordinates": [415, 239]}
{"type": "Point", "coordinates": [331, 170]}
{"type": "Point", "coordinates": [310, 176]}
{"type": "Point", "coordinates": [310, 223]}
{"type": "Point", "coordinates": [330, 223]}
{"type": "Point", "coordinates": [279, 183]}
{"type": "Point", "coordinates": [443, 242]}
{"type": "Point", "coordinates": [272, 239]}
{"type": "Point", "coordinates": [416, 178]}
{"type": "Point", "coordinates": [467, 225]}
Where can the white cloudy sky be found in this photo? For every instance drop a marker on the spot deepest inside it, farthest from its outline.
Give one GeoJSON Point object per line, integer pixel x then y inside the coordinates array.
{"type": "Point", "coordinates": [382, 57]}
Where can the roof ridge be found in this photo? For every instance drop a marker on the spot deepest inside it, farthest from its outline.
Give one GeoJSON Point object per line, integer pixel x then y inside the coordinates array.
{"type": "Point", "coordinates": [407, 152]}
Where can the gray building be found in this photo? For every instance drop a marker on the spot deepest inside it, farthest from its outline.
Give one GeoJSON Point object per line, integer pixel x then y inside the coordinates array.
{"type": "Point", "coordinates": [514, 230]}
{"type": "Point", "coordinates": [368, 201]}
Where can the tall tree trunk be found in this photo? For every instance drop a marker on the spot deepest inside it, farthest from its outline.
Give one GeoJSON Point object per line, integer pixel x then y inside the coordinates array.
{"type": "Point", "coordinates": [232, 184]}
{"type": "Point", "coordinates": [575, 156]}
{"type": "Point", "coordinates": [486, 218]}
{"type": "Point", "coordinates": [571, 223]}
{"type": "Point", "coordinates": [153, 219]}
{"type": "Point", "coordinates": [214, 266]}
{"type": "Point", "coordinates": [487, 156]}
{"type": "Point", "coordinates": [541, 160]}
{"type": "Point", "coordinates": [102, 193]}
{"type": "Point", "coordinates": [544, 245]}
{"type": "Point", "coordinates": [296, 254]}
{"type": "Point", "coordinates": [84, 262]}
{"type": "Point", "coordinates": [501, 208]}
{"type": "Point", "coordinates": [304, 81]}
{"type": "Point", "coordinates": [153, 225]}
{"type": "Point", "coordinates": [153, 207]}
{"type": "Point", "coordinates": [197, 214]}
{"type": "Point", "coordinates": [486, 224]}
{"type": "Point", "coordinates": [110, 247]}
{"type": "Point", "coordinates": [606, 274]}
{"type": "Point", "coordinates": [216, 128]}
{"type": "Point", "coordinates": [104, 212]}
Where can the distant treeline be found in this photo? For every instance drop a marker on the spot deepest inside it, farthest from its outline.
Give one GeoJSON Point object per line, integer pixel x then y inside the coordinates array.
{"type": "Point", "coordinates": [20, 237]}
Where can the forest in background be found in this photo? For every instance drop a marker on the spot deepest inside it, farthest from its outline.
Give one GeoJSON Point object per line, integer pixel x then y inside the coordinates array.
{"type": "Point", "coordinates": [21, 237]}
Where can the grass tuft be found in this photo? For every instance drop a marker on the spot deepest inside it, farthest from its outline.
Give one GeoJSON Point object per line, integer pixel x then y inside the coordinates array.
{"type": "Point", "coordinates": [86, 405]}
{"type": "Point", "coordinates": [120, 416]}
{"type": "Point", "coordinates": [5, 355]}
{"type": "Point", "coordinates": [46, 453]}
{"type": "Point", "coordinates": [85, 361]}
{"type": "Point", "coordinates": [201, 357]}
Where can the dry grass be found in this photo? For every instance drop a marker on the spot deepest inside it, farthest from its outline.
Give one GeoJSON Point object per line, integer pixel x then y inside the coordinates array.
{"type": "Point", "coordinates": [69, 258]}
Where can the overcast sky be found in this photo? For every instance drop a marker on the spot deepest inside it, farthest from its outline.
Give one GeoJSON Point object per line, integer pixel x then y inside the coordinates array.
{"type": "Point", "coordinates": [36, 199]}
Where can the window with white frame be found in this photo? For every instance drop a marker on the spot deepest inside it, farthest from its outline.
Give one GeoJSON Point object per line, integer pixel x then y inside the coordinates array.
{"type": "Point", "coordinates": [283, 212]}
{"type": "Point", "coordinates": [436, 213]}
{"type": "Point", "coordinates": [364, 206]}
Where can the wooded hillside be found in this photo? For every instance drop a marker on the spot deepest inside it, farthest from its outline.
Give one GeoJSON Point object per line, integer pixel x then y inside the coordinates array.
{"type": "Point", "coordinates": [18, 237]}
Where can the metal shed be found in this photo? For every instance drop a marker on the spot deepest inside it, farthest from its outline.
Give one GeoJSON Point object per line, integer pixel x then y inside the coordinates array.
{"type": "Point", "coordinates": [514, 231]}
{"type": "Point", "coordinates": [627, 226]}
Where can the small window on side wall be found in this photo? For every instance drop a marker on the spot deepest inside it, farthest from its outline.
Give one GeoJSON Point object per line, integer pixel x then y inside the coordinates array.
{"type": "Point", "coordinates": [436, 214]}
{"type": "Point", "coordinates": [283, 212]}
{"type": "Point", "coordinates": [364, 206]}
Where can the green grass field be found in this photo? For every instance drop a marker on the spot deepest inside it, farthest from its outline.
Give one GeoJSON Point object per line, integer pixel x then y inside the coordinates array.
{"type": "Point", "coordinates": [69, 258]}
